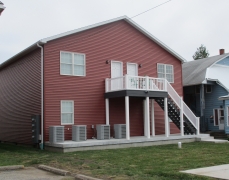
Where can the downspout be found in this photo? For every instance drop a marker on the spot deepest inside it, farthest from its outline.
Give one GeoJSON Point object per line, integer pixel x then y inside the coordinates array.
{"type": "Point", "coordinates": [42, 97]}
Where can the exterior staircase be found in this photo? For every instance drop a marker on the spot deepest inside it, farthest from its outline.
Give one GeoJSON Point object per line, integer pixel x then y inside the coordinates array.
{"type": "Point", "coordinates": [219, 135]}
{"type": "Point", "coordinates": [174, 115]}
{"type": "Point", "coordinates": [176, 105]}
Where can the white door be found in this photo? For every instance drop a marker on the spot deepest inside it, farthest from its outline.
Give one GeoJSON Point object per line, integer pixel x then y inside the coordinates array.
{"type": "Point", "coordinates": [132, 70]}
{"type": "Point", "coordinates": [117, 73]}
{"type": "Point", "coordinates": [221, 119]}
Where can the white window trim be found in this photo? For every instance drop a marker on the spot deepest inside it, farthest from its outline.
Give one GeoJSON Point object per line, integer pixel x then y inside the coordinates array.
{"type": "Point", "coordinates": [206, 89]}
{"type": "Point", "coordinates": [73, 120]}
{"type": "Point", "coordinates": [73, 64]}
{"type": "Point", "coordinates": [121, 66]}
{"type": "Point", "coordinates": [218, 109]}
{"type": "Point", "coordinates": [130, 64]}
{"type": "Point", "coordinates": [165, 70]}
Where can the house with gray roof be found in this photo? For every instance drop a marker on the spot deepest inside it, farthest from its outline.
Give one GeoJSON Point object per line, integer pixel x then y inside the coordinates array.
{"type": "Point", "coordinates": [206, 86]}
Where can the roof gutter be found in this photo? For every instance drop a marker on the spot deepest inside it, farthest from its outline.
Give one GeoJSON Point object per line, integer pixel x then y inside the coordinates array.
{"type": "Point", "coordinates": [221, 98]}
{"type": "Point", "coordinates": [42, 96]}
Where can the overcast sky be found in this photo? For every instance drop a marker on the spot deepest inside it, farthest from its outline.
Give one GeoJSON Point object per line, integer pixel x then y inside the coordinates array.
{"type": "Point", "coordinates": [183, 25]}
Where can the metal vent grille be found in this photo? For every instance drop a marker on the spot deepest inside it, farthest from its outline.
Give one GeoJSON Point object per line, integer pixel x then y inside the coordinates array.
{"type": "Point", "coordinates": [119, 131]}
{"type": "Point", "coordinates": [103, 131]}
{"type": "Point", "coordinates": [56, 134]}
{"type": "Point", "coordinates": [79, 133]}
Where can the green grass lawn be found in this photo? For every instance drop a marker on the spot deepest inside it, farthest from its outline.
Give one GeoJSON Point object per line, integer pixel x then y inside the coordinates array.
{"type": "Point", "coordinates": [155, 162]}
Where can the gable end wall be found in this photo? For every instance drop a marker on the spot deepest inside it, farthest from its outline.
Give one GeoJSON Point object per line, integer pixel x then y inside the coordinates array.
{"type": "Point", "coordinates": [116, 41]}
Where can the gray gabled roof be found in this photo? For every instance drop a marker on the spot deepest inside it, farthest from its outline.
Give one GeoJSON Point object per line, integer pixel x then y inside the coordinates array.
{"type": "Point", "coordinates": [194, 72]}
{"type": "Point", "coordinates": [125, 18]}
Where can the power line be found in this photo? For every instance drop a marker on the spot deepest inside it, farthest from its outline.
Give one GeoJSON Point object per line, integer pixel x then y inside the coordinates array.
{"type": "Point", "coordinates": [88, 36]}
{"type": "Point", "coordinates": [150, 9]}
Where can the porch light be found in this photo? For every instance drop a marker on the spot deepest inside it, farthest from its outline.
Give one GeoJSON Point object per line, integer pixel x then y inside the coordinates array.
{"type": "Point", "coordinates": [140, 65]}
{"type": "Point", "coordinates": [2, 7]}
{"type": "Point", "coordinates": [107, 62]}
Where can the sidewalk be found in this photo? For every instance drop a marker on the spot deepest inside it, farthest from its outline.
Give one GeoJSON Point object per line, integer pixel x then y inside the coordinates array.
{"type": "Point", "coordinates": [219, 172]}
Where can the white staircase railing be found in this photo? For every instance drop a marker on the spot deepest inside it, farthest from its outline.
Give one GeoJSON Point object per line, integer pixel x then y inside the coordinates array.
{"type": "Point", "coordinates": [186, 111]}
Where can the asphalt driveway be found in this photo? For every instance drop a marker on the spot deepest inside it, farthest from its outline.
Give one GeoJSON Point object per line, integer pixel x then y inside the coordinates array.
{"type": "Point", "coordinates": [31, 173]}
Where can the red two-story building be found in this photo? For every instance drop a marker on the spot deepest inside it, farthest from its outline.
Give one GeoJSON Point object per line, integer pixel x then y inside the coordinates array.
{"type": "Point", "coordinates": [113, 72]}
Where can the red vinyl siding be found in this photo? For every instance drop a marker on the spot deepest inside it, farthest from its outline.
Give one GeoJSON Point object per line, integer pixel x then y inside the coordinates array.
{"type": "Point", "coordinates": [116, 41]}
{"type": "Point", "coordinates": [20, 96]}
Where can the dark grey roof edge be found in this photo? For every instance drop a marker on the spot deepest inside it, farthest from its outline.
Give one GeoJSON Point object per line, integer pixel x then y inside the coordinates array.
{"type": "Point", "coordinates": [20, 54]}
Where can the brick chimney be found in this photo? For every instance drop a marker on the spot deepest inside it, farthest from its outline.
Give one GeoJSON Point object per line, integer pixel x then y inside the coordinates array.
{"type": "Point", "coordinates": [221, 51]}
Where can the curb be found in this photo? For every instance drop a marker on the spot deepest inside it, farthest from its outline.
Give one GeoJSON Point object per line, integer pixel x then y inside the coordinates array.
{"type": "Point", "coordinates": [7, 168]}
{"type": "Point", "coordinates": [83, 177]}
{"type": "Point", "coordinates": [54, 170]}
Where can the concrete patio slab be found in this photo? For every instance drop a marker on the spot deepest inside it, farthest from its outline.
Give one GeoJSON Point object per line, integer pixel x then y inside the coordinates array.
{"type": "Point", "coordinates": [219, 172]}
{"type": "Point", "coordinates": [137, 141]}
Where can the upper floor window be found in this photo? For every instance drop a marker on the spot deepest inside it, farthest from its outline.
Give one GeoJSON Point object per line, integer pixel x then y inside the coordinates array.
{"type": "Point", "coordinates": [165, 71]}
{"type": "Point", "coordinates": [208, 88]}
{"type": "Point", "coordinates": [72, 64]}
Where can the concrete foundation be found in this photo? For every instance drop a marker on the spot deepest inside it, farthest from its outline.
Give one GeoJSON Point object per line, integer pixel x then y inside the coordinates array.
{"type": "Point", "coordinates": [94, 144]}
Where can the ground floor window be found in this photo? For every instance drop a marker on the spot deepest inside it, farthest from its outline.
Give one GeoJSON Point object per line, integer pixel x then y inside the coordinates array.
{"type": "Point", "coordinates": [218, 116]}
{"type": "Point", "coordinates": [67, 112]}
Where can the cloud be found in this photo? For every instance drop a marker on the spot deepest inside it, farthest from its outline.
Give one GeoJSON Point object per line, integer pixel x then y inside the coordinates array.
{"type": "Point", "coordinates": [182, 25]}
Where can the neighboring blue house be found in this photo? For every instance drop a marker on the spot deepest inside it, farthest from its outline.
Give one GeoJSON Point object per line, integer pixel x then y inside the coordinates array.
{"type": "Point", "coordinates": [205, 81]}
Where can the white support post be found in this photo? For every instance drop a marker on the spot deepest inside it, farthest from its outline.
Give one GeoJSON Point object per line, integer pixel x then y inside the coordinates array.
{"type": "Point", "coordinates": [147, 119]}
{"type": "Point", "coordinates": [126, 82]}
{"type": "Point", "coordinates": [144, 116]}
{"type": "Point", "coordinates": [165, 83]}
{"type": "Point", "coordinates": [147, 83]}
{"type": "Point", "coordinates": [107, 111]}
{"type": "Point", "coordinates": [127, 118]}
{"type": "Point", "coordinates": [106, 85]}
{"type": "Point", "coordinates": [198, 126]}
{"type": "Point", "coordinates": [152, 118]}
{"type": "Point", "coordinates": [166, 117]}
{"type": "Point", "coordinates": [181, 117]}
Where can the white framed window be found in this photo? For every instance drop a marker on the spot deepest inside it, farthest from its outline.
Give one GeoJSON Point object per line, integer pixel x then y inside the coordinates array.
{"type": "Point", "coordinates": [73, 64]}
{"type": "Point", "coordinates": [165, 71]}
{"type": "Point", "coordinates": [208, 88]}
{"type": "Point", "coordinates": [67, 112]}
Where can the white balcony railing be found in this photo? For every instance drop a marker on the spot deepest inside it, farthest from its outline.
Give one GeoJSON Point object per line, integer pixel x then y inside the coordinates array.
{"type": "Point", "coordinates": [135, 83]}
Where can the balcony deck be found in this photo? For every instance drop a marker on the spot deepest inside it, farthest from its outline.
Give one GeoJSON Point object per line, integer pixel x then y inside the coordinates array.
{"type": "Point", "coordinates": [135, 86]}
